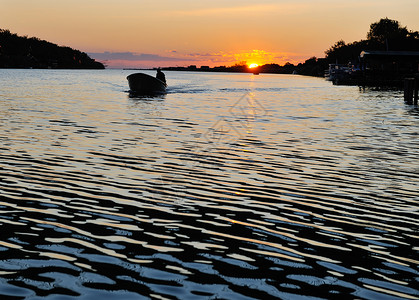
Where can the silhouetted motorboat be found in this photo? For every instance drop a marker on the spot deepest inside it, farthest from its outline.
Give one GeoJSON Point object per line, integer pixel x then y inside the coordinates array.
{"type": "Point", "coordinates": [141, 83]}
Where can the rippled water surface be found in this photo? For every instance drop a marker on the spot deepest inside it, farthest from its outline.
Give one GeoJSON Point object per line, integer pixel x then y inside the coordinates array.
{"type": "Point", "coordinates": [231, 186]}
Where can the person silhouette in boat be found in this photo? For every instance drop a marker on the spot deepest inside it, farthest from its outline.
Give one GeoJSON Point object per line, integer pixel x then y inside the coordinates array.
{"type": "Point", "coordinates": [160, 75]}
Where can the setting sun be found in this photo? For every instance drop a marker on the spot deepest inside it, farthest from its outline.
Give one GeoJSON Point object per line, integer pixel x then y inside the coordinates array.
{"type": "Point", "coordinates": [253, 65]}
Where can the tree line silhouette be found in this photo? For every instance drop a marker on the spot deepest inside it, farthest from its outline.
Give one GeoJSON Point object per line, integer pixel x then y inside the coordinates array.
{"type": "Point", "coordinates": [386, 34]}
{"type": "Point", "coordinates": [23, 52]}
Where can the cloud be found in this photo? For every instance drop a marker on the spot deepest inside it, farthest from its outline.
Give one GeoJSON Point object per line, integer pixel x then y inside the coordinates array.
{"type": "Point", "coordinates": [209, 56]}
{"type": "Point", "coordinates": [131, 59]}
{"type": "Point", "coordinates": [251, 9]}
{"type": "Point", "coordinates": [131, 56]}
{"type": "Point", "coordinates": [227, 10]}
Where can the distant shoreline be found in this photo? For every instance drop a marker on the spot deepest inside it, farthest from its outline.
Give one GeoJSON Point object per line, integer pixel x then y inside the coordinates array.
{"type": "Point", "coordinates": [264, 69]}
{"type": "Point", "coordinates": [21, 52]}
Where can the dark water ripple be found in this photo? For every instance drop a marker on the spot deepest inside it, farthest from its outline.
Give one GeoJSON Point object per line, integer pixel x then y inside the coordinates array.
{"type": "Point", "coordinates": [140, 198]}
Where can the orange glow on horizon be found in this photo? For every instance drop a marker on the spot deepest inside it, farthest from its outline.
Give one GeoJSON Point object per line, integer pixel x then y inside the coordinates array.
{"type": "Point", "coordinates": [249, 58]}
{"type": "Point", "coordinates": [257, 57]}
{"type": "Point", "coordinates": [207, 33]}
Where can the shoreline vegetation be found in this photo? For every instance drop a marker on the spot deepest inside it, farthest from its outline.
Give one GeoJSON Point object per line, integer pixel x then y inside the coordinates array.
{"type": "Point", "coordinates": [24, 53]}
{"type": "Point", "coordinates": [384, 35]}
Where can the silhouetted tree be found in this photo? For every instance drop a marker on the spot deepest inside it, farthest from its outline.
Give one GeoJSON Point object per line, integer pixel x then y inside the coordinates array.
{"type": "Point", "coordinates": [386, 29]}
{"type": "Point", "coordinates": [385, 34]}
{"type": "Point", "coordinates": [239, 67]}
{"type": "Point", "coordinates": [313, 67]}
{"type": "Point", "coordinates": [336, 47]}
{"type": "Point", "coordinates": [23, 52]}
{"type": "Point", "coordinates": [342, 53]}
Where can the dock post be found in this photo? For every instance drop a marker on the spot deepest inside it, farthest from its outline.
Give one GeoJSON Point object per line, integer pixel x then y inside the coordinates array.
{"type": "Point", "coordinates": [409, 85]}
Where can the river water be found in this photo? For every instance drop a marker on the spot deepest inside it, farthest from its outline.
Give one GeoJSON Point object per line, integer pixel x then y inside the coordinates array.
{"type": "Point", "coordinates": [230, 186]}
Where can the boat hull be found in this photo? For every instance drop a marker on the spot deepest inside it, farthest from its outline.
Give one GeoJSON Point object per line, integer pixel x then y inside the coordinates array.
{"type": "Point", "coordinates": [141, 83]}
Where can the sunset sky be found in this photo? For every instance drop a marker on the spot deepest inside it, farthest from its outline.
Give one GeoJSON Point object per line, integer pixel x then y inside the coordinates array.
{"type": "Point", "coordinates": [149, 33]}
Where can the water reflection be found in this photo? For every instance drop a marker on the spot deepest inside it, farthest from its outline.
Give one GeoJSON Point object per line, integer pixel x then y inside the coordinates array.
{"type": "Point", "coordinates": [413, 111]}
{"type": "Point", "coordinates": [297, 189]}
{"type": "Point", "coordinates": [137, 96]}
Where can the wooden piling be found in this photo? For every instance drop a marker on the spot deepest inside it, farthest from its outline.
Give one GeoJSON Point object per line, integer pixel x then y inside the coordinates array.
{"type": "Point", "coordinates": [411, 91]}
{"type": "Point", "coordinates": [409, 87]}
